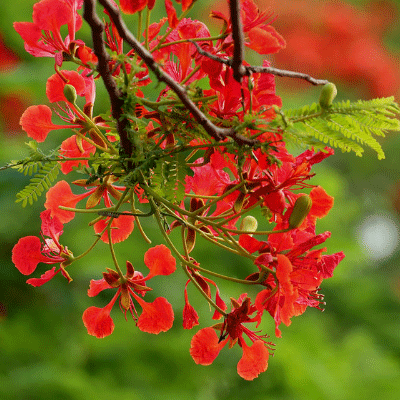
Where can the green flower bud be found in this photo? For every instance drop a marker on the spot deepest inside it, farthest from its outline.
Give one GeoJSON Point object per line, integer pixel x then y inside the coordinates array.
{"type": "Point", "coordinates": [249, 224]}
{"type": "Point", "coordinates": [327, 95]}
{"type": "Point", "coordinates": [301, 208]}
{"type": "Point", "coordinates": [70, 93]}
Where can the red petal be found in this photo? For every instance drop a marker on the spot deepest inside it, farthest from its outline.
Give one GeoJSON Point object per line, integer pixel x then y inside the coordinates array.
{"type": "Point", "coordinates": [121, 228]}
{"type": "Point", "coordinates": [160, 261]}
{"type": "Point", "coordinates": [29, 32]}
{"type": "Point", "coordinates": [154, 28]}
{"type": "Point", "coordinates": [329, 263]}
{"type": "Point", "coordinates": [254, 360]}
{"type": "Point", "coordinates": [132, 6]}
{"type": "Point", "coordinates": [98, 321]}
{"type": "Point", "coordinates": [97, 286]}
{"type": "Point", "coordinates": [204, 347]}
{"type": "Point", "coordinates": [249, 243]}
{"type": "Point", "coordinates": [250, 12]}
{"type": "Point", "coordinates": [51, 226]}
{"type": "Point", "coordinates": [69, 148]}
{"type": "Point", "coordinates": [173, 20]}
{"type": "Point", "coordinates": [156, 317]}
{"type": "Point", "coordinates": [26, 254]}
{"type": "Point", "coordinates": [207, 181]}
{"type": "Point", "coordinates": [291, 294]}
{"type": "Point", "coordinates": [55, 85]}
{"type": "Point", "coordinates": [220, 303]}
{"type": "Point", "coordinates": [50, 274]}
{"type": "Point", "coordinates": [265, 40]}
{"type": "Point", "coordinates": [186, 4]}
{"type": "Point", "coordinates": [190, 317]}
{"type": "Point", "coordinates": [49, 15]}
{"type": "Point", "coordinates": [61, 195]}
{"type": "Point", "coordinates": [283, 271]}
{"type": "Point", "coordinates": [321, 203]}
{"type": "Point", "coordinates": [36, 122]}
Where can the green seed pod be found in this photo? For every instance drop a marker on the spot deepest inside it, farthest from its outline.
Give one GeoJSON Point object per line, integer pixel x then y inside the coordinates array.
{"type": "Point", "coordinates": [327, 95]}
{"type": "Point", "coordinates": [301, 208]}
{"type": "Point", "coordinates": [70, 93]}
{"type": "Point", "coordinates": [249, 224]}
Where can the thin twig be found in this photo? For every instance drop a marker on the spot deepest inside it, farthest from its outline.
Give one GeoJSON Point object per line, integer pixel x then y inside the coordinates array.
{"type": "Point", "coordinates": [265, 70]}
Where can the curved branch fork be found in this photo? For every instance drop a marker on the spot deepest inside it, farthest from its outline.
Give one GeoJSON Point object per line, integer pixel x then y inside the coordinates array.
{"type": "Point", "coordinates": [214, 131]}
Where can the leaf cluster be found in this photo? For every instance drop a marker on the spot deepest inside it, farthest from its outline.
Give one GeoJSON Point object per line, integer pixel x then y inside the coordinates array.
{"type": "Point", "coordinates": [41, 181]}
{"type": "Point", "coordinates": [350, 126]}
{"type": "Point", "coordinates": [168, 178]}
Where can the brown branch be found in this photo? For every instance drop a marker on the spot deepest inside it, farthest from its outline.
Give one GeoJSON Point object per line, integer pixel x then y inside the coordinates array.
{"type": "Point", "coordinates": [116, 96]}
{"type": "Point", "coordinates": [238, 39]}
{"type": "Point", "coordinates": [214, 131]}
{"type": "Point", "coordinates": [287, 74]}
{"type": "Point", "coordinates": [265, 70]}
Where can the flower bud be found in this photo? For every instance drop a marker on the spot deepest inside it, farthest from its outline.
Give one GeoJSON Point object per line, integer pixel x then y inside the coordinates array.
{"type": "Point", "coordinates": [300, 211]}
{"type": "Point", "coordinates": [327, 95]}
{"type": "Point", "coordinates": [238, 205]}
{"type": "Point", "coordinates": [190, 239]}
{"type": "Point", "coordinates": [249, 224]}
{"type": "Point", "coordinates": [70, 93]}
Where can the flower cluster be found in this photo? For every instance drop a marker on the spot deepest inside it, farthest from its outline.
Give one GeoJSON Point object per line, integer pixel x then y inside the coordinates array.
{"type": "Point", "coordinates": [200, 159]}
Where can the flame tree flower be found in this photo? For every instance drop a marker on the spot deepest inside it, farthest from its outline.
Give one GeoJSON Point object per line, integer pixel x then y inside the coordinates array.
{"type": "Point", "coordinates": [156, 317]}
{"type": "Point", "coordinates": [206, 344]}
{"type": "Point", "coordinates": [30, 251]}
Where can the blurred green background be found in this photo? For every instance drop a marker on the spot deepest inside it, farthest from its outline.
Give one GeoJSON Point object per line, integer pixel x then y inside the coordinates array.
{"type": "Point", "coordinates": [350, 351]}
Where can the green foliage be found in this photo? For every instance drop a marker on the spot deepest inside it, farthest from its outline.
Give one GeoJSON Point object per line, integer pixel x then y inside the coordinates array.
{"type": "Point", "coordinates": [28, 167]}
{"type": "Point", "coordinates": [42, 181]}
{"type": "Point", "coordinates": [168, 178]}
{"type": "Point", "coordinates": [345, 125]}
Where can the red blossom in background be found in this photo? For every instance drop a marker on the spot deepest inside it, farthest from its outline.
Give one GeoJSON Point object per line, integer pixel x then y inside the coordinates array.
{"type": "Point", "coordinates": [342, 42]}
{"type": "Point", "coordinates": [8, 59]}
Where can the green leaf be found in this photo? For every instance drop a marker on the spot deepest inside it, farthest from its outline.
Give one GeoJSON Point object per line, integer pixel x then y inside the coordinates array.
{"type": "Point", "coordinates": [41, 182]}
{"type": "Point", "coordinates": [345, 125]}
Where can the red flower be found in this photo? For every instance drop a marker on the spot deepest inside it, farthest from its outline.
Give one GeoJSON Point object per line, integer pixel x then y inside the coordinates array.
{"type": "Point", "coordinates": [206, 345]}
{"type": "Point", "coordinates": [298, 273]}
{"type": "Point", "coordinates": [173, 20]}
{"type": "Point", "coordinates": [133, 6]}
{"type": "Point", "coordinates": [75, 147]}
{"type": "Point", "coordinates": [185, 52]}
{"type": "Point", "coordinates": [29, 251]}
{"type": "Point", "coordinates": [42, 37]}
{"type": "Point", "coordinates": [61, 195]}
{"type": "Point", "coordinates": [156, 317]}
{"type": "Point", "coordinates": [190, 316]}
{"type": "Point", "coordinates": [36, 120]}
{"type": "Point", "coordinates": [55, 85]}
{"type": "Point", "coordinates": [331, 32]}
{"type": "Point", "coordinates": [259, 35]}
